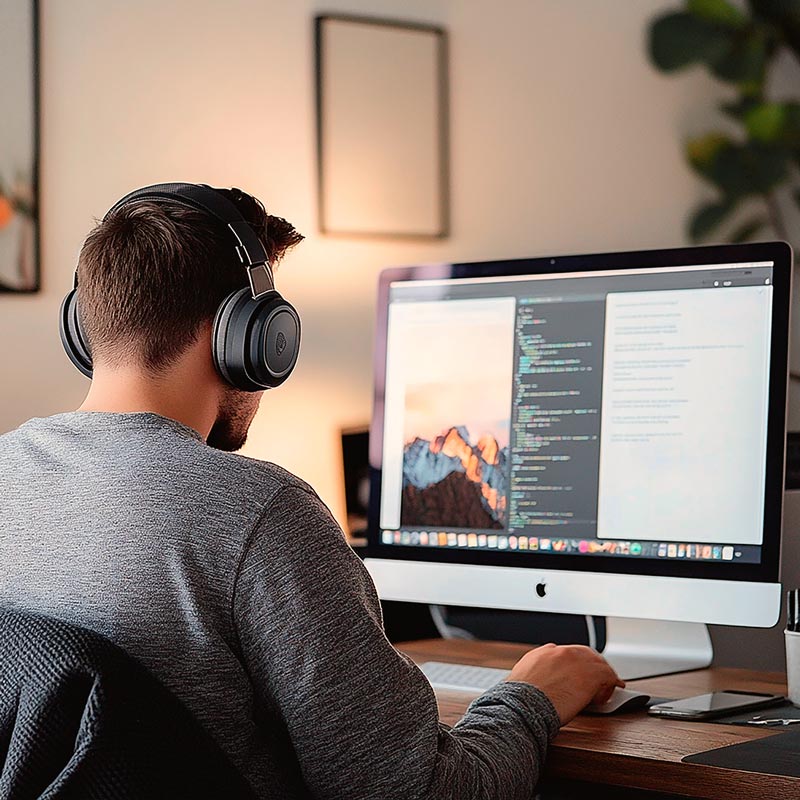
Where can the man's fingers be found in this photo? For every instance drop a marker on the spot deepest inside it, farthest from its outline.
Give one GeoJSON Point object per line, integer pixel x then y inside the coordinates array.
{"type": "Point", "coordinates": [604, 695]}
{"type": "Point", "coordinates": [608, 682]}
{"type": "Point", "coordinates": [617, 680]}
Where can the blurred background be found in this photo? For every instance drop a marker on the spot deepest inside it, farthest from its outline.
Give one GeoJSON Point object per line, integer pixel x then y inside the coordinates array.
{"type": "Point", "coordinates": [564, 138]}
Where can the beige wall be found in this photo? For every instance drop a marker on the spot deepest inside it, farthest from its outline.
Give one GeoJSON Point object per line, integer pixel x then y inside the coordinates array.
{"type": "Point", "coordinates": [563, 139]}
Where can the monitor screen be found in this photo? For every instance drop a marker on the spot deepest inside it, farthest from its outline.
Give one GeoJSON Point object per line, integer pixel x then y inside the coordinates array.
{"type": "Point", "coordinates": [575, 417]}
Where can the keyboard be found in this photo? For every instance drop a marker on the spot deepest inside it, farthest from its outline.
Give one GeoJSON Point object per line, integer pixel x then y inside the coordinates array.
{"type": "Point", "coordinates": [462, 677]}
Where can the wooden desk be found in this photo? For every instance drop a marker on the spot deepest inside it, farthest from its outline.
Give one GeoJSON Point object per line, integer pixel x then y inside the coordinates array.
{"type": "Point", "coordinates": [634, 750]}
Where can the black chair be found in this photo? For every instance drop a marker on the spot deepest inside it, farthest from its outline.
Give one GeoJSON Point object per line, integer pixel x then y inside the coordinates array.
{"type": "Point", "coordinates": [79, 718]}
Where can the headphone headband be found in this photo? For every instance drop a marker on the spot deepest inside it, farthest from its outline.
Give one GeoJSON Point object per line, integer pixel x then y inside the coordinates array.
{"type": "Point", "coordinates": [249, 248]}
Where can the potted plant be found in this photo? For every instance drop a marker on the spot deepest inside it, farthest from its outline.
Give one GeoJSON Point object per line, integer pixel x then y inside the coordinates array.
{"type": "Point", "coordinates": [758, 165]}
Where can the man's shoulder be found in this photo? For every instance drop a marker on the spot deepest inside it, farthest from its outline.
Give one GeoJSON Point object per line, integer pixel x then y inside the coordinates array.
{"type": "Point", "coordinates": [150, 456]}
{"type": "Point", "coordinates": [289, 501]}
{"type": "Point", "coordinates": [245, 470]}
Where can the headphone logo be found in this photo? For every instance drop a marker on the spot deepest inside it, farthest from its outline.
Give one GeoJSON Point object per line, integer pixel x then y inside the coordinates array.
{"type": "Point", "coordinates": [280, 343]}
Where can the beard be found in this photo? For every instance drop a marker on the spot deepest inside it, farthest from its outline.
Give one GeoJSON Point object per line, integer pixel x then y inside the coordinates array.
{"type": "Point", "coordinates": [229, 432]}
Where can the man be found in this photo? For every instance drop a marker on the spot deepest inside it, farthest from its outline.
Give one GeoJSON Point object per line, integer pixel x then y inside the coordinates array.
{"type": "Point", "coordinates": [227, 576]}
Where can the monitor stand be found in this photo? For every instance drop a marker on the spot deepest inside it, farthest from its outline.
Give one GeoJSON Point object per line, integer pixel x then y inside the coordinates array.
{"type": "Point", "coordinates": [640, 648]}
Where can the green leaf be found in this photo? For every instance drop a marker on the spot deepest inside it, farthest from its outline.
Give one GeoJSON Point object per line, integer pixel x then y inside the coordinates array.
{"type": "Point", "coordinates": [747, 230]}
{"type": "Point", "coordinates": [771, 9]}
{"type": "Point", "coordinates": [765, 122]}
{"type": "Point", "coordinates": [718, 11]}
{"type": "Point", "coordinates": [791, 126]}
{"type": "Point", "coordinates": [783, 15]}
{"type": "Point", "coordinates": [708, 217]}
{"type": "Point", "coordinates": [738, 170]}
{"type": "Point", "coordinates": [744, 60]}
{"type": "Point", "coordinates": [680, 39]}
{"type": "Point", "coordinates": [750, 169]}
{"type": "Point", "coordinates": [774, 123]}
{"type": "Point", "coordinates": [738, 109]}
{"type": "Point", "coordinates": [703, 150]}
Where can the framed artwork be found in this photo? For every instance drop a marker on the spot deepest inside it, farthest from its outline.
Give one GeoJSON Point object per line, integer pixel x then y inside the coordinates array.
{"type": "Point", "coordinates": [19, 146]}
{"type": "Point", "coordinates": [382, 128]}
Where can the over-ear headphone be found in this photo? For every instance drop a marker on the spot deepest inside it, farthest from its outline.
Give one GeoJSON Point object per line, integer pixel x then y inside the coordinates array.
{"type": "Point", "coordinates": [256, 333]}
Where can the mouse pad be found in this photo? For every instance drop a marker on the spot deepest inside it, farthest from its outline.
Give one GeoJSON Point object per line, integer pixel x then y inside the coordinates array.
{"type": "Point", "coordinates": [773, 755]}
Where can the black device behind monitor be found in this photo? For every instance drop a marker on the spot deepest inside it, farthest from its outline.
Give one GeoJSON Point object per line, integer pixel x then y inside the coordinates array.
{"type": "Point", "coordinates": [355, 463]}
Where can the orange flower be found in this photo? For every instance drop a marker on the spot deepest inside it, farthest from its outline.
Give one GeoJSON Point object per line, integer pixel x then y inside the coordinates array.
{"type": "Point", "coordinates": [6, 211]}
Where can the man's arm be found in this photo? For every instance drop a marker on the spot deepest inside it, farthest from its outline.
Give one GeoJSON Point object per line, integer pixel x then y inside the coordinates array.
{"type": "Point", "coordinates": [362, 718]}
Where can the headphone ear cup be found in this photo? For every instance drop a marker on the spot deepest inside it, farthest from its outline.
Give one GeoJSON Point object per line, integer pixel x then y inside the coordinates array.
{"type": "Point", "coordinates": [255, 343]}
{"type": "Point", "coordinates": [219, 336]}
{"type": "Point", "coordinates": [72, 335]}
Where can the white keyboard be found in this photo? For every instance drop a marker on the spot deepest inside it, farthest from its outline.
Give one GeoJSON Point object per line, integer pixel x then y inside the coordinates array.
{"type": "Point", "coordinates": [462, 677]}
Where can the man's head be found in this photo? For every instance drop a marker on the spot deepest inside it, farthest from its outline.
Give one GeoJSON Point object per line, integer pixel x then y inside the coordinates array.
{"type": "Point", "coordinates": [150, 279]}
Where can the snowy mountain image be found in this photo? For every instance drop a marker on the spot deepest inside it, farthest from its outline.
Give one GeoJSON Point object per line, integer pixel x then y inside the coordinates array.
{"type": "Point", "coordinates": [451, 482]}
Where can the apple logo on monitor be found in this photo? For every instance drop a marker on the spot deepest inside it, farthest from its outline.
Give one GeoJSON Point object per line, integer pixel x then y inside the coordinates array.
{"type": "Point", "coordinates": [541, 589]}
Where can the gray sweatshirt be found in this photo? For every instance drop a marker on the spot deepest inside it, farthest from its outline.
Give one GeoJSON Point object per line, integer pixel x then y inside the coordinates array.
{"type": "Point", "coordinates": [230, 580]}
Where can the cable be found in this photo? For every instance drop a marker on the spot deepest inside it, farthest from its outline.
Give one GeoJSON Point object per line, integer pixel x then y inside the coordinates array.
{"type": "Point", "coordinates": [591, 631]}
{"type": "Point", "coordinates": [447, 631]}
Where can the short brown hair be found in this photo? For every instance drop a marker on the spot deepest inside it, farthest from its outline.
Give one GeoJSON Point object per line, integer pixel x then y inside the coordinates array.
{"type": "Point", "coordinates": [153, 272]}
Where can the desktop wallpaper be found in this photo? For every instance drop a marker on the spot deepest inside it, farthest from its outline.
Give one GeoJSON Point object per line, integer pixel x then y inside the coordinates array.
{"type": "Point", "coordinates": [457, 407]}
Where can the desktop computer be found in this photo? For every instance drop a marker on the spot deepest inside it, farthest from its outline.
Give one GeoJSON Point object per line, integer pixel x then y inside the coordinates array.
{"type": "Point", "coordinates": [598, 434]}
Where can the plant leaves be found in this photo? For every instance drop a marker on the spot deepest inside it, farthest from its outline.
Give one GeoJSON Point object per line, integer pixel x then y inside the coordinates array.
{"type": "Point", "coordinates": [747, 230]}
{"type": "Point", "coordinates": [765, 122]}
{"type": "Point", "coordinates": [708, 217]}
{"type": "Point", "coordinates": [718, 11]}
{"type": "Point", "coordinates": [782, 15]}
{"type": "Point", "coordinates": [776, 9]}
{"type": "Point", "coordinates": [680, 39]}
{"type": "Point", "coordinates": [738, 170]}
{"type": "Point", "coordinates": [739, 108]}
{"type": "Point", "coordinates": [745, 59]}
{"type": "Point", "coordinates": [750, 169]}
{"type": "Point", "coordinates": [703, 150]}
{"type": "Point", "coordinates": [791, 129]}
{"type": "Point", "coordinates": [774, 123]}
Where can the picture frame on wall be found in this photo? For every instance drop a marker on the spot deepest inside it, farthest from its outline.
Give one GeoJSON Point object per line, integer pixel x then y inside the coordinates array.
{"type": "Point", "coordinates": [19, 146]}
{"type": "Point", "coordinates": [382, 127]}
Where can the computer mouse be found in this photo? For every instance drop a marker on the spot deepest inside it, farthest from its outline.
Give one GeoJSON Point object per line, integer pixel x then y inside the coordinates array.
{"type": "Point", "coordinates": [621, 700]}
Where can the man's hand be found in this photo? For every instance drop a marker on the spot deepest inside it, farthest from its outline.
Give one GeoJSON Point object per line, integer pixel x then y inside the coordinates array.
{"type": "Point", "coordinates": [572, 676]}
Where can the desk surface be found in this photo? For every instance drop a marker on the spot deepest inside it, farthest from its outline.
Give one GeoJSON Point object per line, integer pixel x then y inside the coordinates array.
{"type": "Point", "coordinates": [634, 750]}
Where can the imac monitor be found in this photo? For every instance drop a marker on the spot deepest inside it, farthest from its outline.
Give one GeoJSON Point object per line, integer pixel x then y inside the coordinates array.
{"type": "Point", "coordinates": [598, 434]}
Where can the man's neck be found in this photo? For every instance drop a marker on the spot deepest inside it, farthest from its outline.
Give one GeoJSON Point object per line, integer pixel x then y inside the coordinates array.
{"type": "Point", "coordinates": [126, 391]}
